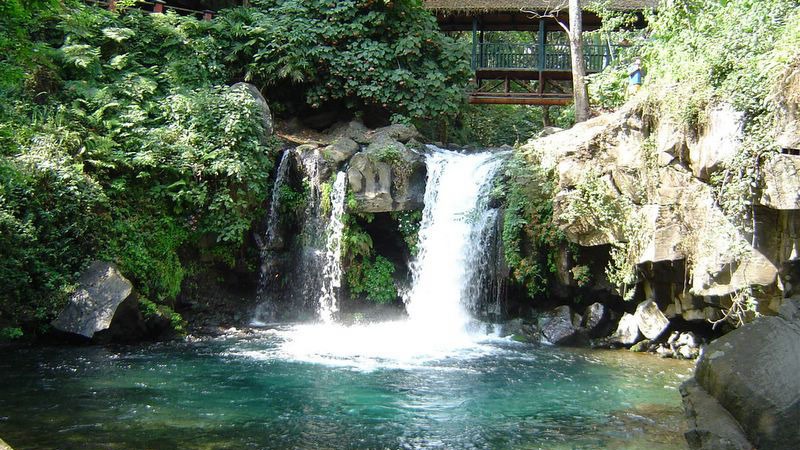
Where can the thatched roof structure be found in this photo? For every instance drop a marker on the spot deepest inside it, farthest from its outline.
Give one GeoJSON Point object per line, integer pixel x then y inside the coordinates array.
{"type": "Point", "coordinates": [496, 6]}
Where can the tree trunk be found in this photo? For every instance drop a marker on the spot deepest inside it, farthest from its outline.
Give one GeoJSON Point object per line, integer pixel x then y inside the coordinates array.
{"type": "Point", "coordinates": [580, 93]}
{"type": "Point", "coordinates": [546, 120]}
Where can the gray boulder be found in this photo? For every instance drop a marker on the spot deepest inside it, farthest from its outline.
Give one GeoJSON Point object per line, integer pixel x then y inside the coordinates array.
{"type": "Point", "coordinates": [398, 132]}
{"type": "Point", "coordinates": [101, 289]}
{"type": "Point", "coordinates": [711, 427]}
{"type": "Point", "coordinates": [387, 176]}
{"type": "Point", "coordinates": [595, 318]}
{"type": "Point", "coordinates": [752, 373]}
{"type": "Point", "coordinates": [261, 102]}
{"type": "Point", "coordinates": [650, 320]}
{"type": "Point", "coordinates": [557, 326]}
{"type": "Point", "coordinates": [627, 330]}
{"type": "Point", "coordinates": [340, 150]}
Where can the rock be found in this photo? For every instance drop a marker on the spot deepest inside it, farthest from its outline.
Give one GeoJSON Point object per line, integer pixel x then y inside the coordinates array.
{"type": "Point", "coordinates": [4, 446]}
{"type": "Point", "coordinates": [387, 176]}
{"type": "Point", "coordinates": [686, 339]}
{"type": "Point", "coordinates": [642, 346]}
{"type": "Point", "coordinates": [790, 308]}
{"type": "Point", "coordinates": [627, 330]}
{"type": "Point", "coordinates": [353, 130]}
{"type": "Point", "coordinates": [781, 182]}
{"type": "Point", "coordinates": [398, 132]}
{"type": "Point", "coordinates": [664, 352]}
{"type": "Point", "coordinates": [261, 102]}
{"type": "Point", "coordinates": [711, 427]}
{"type": "Point", "coordinates": [595, 319]}
{"type": "Point", "coordinates": [340, 150]}
{"type": "Point", "coordinates": [101, 290]}
{"type": "Point", "coordinates": [512, 327]}
{"type": "Point", "coordinates": [687, 352]}
{"type": "Point", "coordinates": [557, 328]}
{"type": "Point", "coordinates": [752, 373]}
{"type": "Point", "coordinates": [719, 141]}
{"type": "Point", "coordinates": [650, 320]}
{"type": "Point", "coordinates": [693, 314]}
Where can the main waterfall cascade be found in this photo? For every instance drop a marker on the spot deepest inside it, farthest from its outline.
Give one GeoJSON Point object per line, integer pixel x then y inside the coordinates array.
{"type": "Point", "coordinates": [448, 275]}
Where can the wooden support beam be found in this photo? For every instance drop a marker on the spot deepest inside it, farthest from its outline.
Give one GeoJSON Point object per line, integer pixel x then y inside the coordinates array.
{"type": "Point", "coordinates": [509, 100]}
{"type": "Point", "coordinates": [474, 43]}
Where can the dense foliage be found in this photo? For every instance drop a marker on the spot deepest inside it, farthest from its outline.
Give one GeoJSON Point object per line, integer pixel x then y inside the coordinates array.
{"type": "Point", "coordinates": [118, 142]}
{"type": "Point", "coordinates": [384, 56]}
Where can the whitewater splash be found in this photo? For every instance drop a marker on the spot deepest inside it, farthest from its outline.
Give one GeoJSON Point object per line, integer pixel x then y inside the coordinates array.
{"type": "Point", "coordinates": [450, 259]}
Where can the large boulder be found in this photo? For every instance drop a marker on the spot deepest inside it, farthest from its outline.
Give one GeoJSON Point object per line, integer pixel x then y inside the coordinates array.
{"type": "Point", "coordinates": [650, 320]}
{"type": "Point", "coordinates": [711, 427]}
{"type": "Point", "coordinates": [340, 150]}
{"type": "Point", "coordinates": [595, 319]}
{"type": "Point", "coordinates": [101, 290]}
{"type": "Point", "coordinates": [557, 326]}
{"type": "Point", "coordinates": [752, 373]}
{"type": "Point", "coordinates": [627, 330]}
{"type": "Point", "coordinates": [261, 102]}
{"type": "Point", "coordinates": [387, 176]}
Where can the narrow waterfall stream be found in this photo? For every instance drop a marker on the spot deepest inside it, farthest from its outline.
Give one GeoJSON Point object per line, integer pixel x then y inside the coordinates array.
{"type": "Point", "coordinates": [265, 308]}
{"type": "Point", "coordinates": [332, 272]}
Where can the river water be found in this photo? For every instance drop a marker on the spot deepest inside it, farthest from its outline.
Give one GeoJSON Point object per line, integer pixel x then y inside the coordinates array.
{"type": "Point", "coordinates": [263, 392]}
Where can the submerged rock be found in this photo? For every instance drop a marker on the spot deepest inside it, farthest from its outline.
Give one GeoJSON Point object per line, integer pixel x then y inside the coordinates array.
{"type": "Point", "coordinates": [101, 290]}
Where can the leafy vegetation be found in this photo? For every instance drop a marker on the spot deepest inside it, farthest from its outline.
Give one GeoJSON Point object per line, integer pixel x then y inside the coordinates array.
{"type": "Point", "coordinates": [118, 142]}
{"type": "Point", "coordinates": [377, 56]}
{"type": "Point", "coordinates": [530, 238]}
{"type": "Point", "coordinates": [368, 273]}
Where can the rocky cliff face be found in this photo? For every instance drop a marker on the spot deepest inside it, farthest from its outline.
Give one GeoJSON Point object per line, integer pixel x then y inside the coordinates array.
{"type": "Point", "coordinates": [647, 187]}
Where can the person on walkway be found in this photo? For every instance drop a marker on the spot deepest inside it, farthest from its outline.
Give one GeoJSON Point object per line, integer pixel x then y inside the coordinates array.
{"type": "Point", "coordinates": [635, 76]}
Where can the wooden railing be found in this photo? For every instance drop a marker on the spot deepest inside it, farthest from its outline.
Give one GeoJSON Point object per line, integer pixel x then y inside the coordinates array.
{"type": "Point", "coordinates": [155, 7]}
{"type": "Point", "coordinates": [493, 55]}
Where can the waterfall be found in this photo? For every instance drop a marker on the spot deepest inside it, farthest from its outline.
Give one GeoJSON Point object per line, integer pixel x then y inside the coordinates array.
{"type": "Point", "coordinates": [332, 270]}
{"type": "Point", "coordinates": [448, 278]}
{"type": "Point", "coordinates": [272, 217]}
{"type": "Point", "coordinates": [457, 223]}
{"type": "Point", "coordinates": [265, 308]}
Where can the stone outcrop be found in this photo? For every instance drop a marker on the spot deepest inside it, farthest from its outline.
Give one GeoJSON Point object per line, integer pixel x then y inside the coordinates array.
{"type": "Point", "coordinates": [782, 182]}
{"type": "Point", "coordinates": [388, 175]}
{"type": "Point", "coordinates": [752, 374]}
{"type": "Point", "coordinates": [711, 427]}
{"type": "Point", "coordinates": [628, 178]}
{"type": "Point", "coordinates": [101, 290]}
